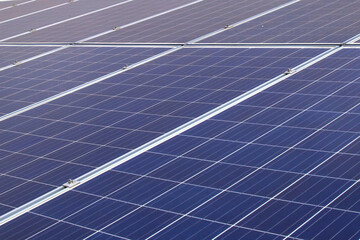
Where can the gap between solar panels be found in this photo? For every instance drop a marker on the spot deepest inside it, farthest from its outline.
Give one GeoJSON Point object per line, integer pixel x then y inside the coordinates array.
{"type": "Point", "coordinates": [159, 140]}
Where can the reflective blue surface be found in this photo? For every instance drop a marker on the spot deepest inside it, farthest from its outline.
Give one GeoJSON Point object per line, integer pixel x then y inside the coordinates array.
{"type": "Point", "coordinates": [256, 170]}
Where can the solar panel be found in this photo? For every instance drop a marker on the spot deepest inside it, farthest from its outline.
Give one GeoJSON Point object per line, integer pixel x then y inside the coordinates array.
{"type": "Point", "coordinates": [204, 184]}
{"type": "Point", "coordinates": [306, 21]}
{"type": "Point", "coordinates": [116, 123]}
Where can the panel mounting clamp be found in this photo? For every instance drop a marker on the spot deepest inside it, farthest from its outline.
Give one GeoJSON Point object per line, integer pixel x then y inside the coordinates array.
{"type": "Point", "coordinates": [289, 71]}
{"type": "Point", "coordinates": [71, 183]}
{"type": "Point", "coordinates": [228, 26]}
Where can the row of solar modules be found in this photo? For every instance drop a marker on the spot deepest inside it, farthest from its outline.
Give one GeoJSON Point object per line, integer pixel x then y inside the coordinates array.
{"type": "Point", "coordinates": [335, 21]}
{"type": "Point", "coordinates": [197, 184]}
{"type": "Point", "coordinates": [173, 191]}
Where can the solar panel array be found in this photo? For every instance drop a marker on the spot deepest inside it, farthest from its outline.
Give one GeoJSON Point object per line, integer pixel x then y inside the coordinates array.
{"type": "Point", "coordinates": [168, 119]}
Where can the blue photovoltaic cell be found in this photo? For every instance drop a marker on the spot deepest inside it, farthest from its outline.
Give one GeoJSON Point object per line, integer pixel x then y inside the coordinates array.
{"type": "Point", "coordinates": [191, 22]}
{"type": "Point", "coordinates": [12, 54]}
{"type": "Point", "coordinates": [92, 24]}
{"type": "Point", "coordinates": [234, 185]}
{"type": "Point", "coordinates": [70, 136]}
{"type": "Point", "coordinates": [307, 21]}
{"type": "Point", "coordinates": [41, 78]}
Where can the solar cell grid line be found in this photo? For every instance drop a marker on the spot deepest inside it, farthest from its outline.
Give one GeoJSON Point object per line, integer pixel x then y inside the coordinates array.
{"type": "Point", "coordinates": [63, 70]}
{"type": "Point", "coordinates": [321, 210]}
{"type": "Point", "coordinates": [77, 29]}
{"type": "Point", "coordinates": [189, 23]}
{"type": "Point", "coordinates": [334, 218]}
{"type": "Point", "coordinates": [284, 26]}
{"type": "Point", "coordinates": [40, 21]}
{"type": "Point", "coordinates": [116, 141]}
{"type": "Point", "coordinates": [37, 7]}
{"type": "Point", "coordinates": [324, 63]}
